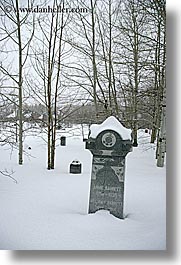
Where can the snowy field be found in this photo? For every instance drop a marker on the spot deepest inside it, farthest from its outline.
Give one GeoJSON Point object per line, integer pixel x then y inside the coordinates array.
{"type": "Point", "coordinates": [47, 210]}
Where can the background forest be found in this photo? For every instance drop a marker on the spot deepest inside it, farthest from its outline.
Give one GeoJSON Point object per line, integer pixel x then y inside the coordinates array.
{"type": "Point", "coordinates": [65, 62]}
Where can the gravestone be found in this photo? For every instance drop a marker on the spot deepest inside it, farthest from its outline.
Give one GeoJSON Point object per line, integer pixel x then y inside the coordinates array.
{"type": "Point", "coordinates": [109, 143]}
{"type": "Point", "coordinates": [75, 167]}
{"type": "Point", "coordinates": [63, 141]}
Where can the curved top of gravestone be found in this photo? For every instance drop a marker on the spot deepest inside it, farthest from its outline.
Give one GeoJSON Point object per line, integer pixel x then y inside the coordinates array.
{"type": "Point", "coordinates": [111, 123]}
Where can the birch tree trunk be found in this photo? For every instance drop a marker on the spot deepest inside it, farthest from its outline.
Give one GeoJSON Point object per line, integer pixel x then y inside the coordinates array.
{"type": "Point", "coordinates": [136, 81]}
{"type": "Point", "coordinates": [162, 140]}
{"type": "Point", "coordinates": [94, 57]}
{"type": "Point", "coordinates": [54, 120]}
{"type": "Point", "coordinates": [20, 81]}
{"type": "Point", "coordinates": [13, 27]}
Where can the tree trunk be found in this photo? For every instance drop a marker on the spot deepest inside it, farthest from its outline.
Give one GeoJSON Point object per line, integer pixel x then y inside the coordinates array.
{"type": "Point", "coordinates": [161, 140]}
{"type": "Point", "coordinates": [135, 92]}
{"type": "Point", "coordinates": [54, 119]}
{"type": "Point", "coordinates": [20, 96]}
{"type": "Point", "coordinates": [94, 60]}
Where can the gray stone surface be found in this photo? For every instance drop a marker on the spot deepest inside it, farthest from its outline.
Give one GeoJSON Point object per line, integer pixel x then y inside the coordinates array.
{"type": "Point", "coordinates": [108, 172]}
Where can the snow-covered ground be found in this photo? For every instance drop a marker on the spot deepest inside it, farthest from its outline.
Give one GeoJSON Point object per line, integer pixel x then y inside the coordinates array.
{"type": "Point", "coordinates": [47, 210]}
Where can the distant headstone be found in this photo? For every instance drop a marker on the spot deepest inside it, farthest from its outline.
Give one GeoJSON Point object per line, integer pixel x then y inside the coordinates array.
{"type": "Point", "coordinates": [109, 143]}
{"type": "Point", "coordinates": [63, 141]}
{"type": "Point", "coordinates": [75, 167]}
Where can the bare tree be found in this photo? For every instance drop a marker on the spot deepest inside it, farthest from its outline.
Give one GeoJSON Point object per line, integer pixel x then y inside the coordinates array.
{"type": "Point", "coordinates": [93, 42]}
{"type": "Point", "coordinates": [134, 55]}
{"type": "Point", "coordinates": [158, 12]}
{"type": "Point", "coordinates": [47, 58]}
{"type": "Point", "coordinates": [13, 26]}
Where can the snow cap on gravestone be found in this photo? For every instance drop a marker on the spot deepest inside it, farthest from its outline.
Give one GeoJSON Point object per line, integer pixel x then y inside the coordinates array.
{"type": "Point", "coordinates": [111, 123]}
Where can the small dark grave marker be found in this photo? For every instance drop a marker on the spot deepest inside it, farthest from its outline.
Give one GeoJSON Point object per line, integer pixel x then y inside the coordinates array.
{"type": "Point", "coordinates": [75, 167]}
{"type": "Point", "coordinates": [63, 141]}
